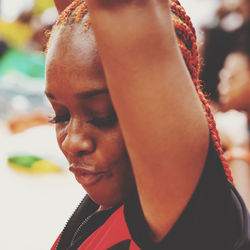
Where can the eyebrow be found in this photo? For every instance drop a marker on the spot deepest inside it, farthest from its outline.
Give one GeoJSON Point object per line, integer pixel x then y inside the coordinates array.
{"type": "Point", "coordinates": [91, 93]}
{"type": "Point", "coordinates": [50, 96]}
{"type": "Point", "coordinates": [83, 95]}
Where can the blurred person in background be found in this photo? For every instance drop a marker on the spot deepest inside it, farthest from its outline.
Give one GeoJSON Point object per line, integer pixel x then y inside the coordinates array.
{"type": "Point", "coordinates": [228, 32]}
{"type": "Point", "coordinates": [22, 66]}
{"type": "Point", "coordinates": [226, 62]}
{"type": "Point", "coordinates": [234, 122]}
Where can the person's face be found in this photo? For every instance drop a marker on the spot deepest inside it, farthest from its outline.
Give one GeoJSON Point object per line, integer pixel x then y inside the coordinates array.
{"type": "Point", "coordinates": [87, 129]}
{"type": "Point", "coordinates": [234, 86]}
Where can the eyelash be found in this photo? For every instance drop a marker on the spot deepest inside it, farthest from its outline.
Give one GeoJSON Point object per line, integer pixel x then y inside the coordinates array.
{"type": "Point", "coordinates": [96, 121]}
{"type": "Point", "coordinates": [108, 121]}
{"type": "Point", "coordinates": [57, 119]}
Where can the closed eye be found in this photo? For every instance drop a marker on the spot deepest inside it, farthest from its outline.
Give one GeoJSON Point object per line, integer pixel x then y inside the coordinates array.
{"type": "Point", "coordinates": [104, 122]}
{"type": "Point", "coordinates": [59, 118]}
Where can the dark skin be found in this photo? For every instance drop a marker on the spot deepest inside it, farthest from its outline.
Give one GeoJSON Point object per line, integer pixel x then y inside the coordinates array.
{"type": "Point", "coordinates": [61, 5]}
{"type": "Point", "coordinates": [87, 129]}
{"type": "Point", "coordinates": [160, 116]}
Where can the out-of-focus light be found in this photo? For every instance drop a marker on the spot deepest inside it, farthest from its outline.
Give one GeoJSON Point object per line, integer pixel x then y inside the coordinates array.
{"type": "Point", "coordinates": [49, 16]}
{"type": "Point", "coordinates": [201, 11]}
{"type": "Point", "coordinates": [11, 9]}
{"type": "Point", "coordinates": [232, 22]}
{"type": "Point", "coordinates": [20, 103]}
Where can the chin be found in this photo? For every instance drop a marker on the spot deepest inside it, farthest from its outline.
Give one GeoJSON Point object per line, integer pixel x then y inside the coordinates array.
{"type": "Point", "coordinates": [109, 195]}
{"type": "Point", "coordinates": [105, 201]}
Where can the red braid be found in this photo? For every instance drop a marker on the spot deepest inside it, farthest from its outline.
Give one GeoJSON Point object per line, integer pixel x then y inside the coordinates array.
{"type": "Point", "coordinates": [186, 35]}
{"type": "Point", "coordinates": [187, 42]}
{"type": "Point", "coordinates": [179, 11]}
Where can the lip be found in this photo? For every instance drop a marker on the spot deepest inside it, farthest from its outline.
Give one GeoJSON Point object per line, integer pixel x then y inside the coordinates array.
{"type": "Point", "coordinates": [85, 176]}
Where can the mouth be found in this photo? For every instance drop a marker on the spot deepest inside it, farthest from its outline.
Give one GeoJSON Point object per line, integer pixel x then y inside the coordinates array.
{"type": "Point", "coordinates": [87, 177]}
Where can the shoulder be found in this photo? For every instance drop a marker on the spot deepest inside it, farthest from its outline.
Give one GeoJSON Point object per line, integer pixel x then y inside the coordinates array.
{"type": "Point", "coordinates": [215, 217]}
{"type": "Point", "coordinates": [243, 243]}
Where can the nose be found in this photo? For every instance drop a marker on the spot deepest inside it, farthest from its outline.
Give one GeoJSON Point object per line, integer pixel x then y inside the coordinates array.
{"type": "Point", "coordinates": [78, 140]}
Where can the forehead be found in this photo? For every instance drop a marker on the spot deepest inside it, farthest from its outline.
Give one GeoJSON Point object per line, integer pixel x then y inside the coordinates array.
{"type": "Point", "coordinates": [73, 58]}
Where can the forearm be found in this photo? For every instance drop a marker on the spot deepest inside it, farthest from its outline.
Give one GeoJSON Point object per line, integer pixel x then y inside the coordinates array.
{"type": "Point", "coordinates": [159, 112]}
{"type": "Point", "coordinates": [131, 35]}
{"type": "Point", "coordinates": [132, 32]}
{"type": "Point", "coordinates": [144, 68]}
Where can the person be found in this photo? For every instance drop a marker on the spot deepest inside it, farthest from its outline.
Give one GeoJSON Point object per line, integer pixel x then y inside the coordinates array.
{"type": "Point", "coordinates": [122, 78]}
{"type": "Point", "coordinates": [228, 32]}
{"type": "Point", "coordinates": [233, 123]}
{"type": "Point", "coordinates": [234, 86]}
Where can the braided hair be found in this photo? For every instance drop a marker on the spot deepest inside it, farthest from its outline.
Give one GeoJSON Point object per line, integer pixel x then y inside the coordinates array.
{"type": "Point", "coordinates": [77, 12]}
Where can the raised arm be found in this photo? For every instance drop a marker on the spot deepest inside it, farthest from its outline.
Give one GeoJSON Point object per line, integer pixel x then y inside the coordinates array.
{"type": "Point", "coordinates": [160, 115]}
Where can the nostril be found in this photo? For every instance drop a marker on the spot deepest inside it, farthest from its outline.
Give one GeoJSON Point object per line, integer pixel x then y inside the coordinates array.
{"type": "Point", "coordinates": [75, 144]}
{"type": "Point", "coordinates": [86, 147]}
{"type": "Point", "coordinates": [80, 153]}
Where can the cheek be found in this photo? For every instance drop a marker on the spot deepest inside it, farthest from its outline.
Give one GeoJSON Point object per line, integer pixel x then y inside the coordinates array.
{"type": "Point", "coordinates": [113, 146]}
{"type": "Point", "coordinates": [61, 133]}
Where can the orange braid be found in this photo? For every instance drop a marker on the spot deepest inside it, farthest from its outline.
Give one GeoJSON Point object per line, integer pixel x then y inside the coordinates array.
{"type": "Point", "coordinates": [186, 35]}
{"type": "Point", "coordinates": [187, 42]}
{"type": "Point", "coordinates": [179, 11]}
{"type": "Point", "coordinates": [77, 9]}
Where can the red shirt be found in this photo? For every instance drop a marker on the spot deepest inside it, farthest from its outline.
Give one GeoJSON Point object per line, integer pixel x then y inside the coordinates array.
{"type": "Point", "coordinates": [114, 232]}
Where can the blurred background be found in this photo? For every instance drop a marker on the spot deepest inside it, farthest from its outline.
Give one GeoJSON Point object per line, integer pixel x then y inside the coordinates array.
{"type": "Point", "coordinates": [37, 193]}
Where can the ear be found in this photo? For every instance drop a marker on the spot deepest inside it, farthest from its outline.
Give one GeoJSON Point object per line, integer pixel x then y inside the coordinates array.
{"type": "Point", "coordinates": [62, 4]}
